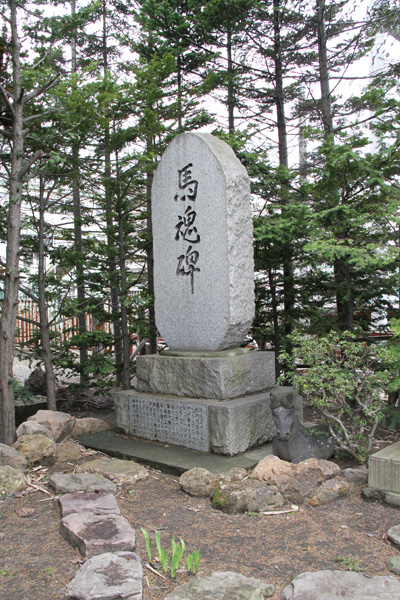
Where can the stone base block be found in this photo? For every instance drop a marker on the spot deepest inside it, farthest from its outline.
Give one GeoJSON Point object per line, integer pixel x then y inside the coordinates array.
{"type": "Point", "coordinates": [220, 375]}
{"type": "Point", "coordinates": [223, 427]}
{"type": "Point", "coordinates": [384, 469]}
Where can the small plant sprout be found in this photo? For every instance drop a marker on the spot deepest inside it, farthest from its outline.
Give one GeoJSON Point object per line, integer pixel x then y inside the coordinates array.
{"type": "Point", "coordinates": [192, 562]}
{"type": "Point", "coordinates": [148, 543]}
{"type": "Point", "coordinates": [162, 553]}
{"type": "Point", "coordinates": [176, 556]}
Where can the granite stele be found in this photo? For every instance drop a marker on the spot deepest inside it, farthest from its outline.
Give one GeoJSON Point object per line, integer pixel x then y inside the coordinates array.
{"type": "Point", "coordinates": [206, 392]}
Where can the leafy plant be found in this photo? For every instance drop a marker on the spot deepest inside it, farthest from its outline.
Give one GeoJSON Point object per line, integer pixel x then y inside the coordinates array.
{"type": "Point", "coordinates": [347, 563]}
{"type": "Point", "coordinates": [22, 392]}
{"type": "Point", "coordinates": [172, 563]}
{"type": "Point", "coordinates": [192, 562]}
{"type": "Point", "coordinates": [347, 380]}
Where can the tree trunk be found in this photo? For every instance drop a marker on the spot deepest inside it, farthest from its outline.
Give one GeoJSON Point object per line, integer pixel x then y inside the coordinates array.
{"type": "Point", "coordinates": [78, 246]}
{"type": "Point", "coordinates": [11, 276]}
{"type": "Point", "coordinates": [43, 317]}
{"type": "Point", "coordinates": [341, 265]}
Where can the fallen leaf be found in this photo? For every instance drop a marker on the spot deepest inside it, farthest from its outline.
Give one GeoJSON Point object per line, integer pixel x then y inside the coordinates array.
{"type": "Point", "coordinates": [25, 512]}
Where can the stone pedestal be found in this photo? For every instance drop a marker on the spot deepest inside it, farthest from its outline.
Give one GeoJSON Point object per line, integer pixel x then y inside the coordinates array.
{"type": "Point", "coordinates": [213, 402]}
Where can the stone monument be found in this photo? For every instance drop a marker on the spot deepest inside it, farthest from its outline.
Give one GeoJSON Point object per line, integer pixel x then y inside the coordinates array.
{"type": "Point", "coordinates": [206, 391]}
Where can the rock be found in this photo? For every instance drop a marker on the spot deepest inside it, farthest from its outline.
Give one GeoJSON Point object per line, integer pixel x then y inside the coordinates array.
{"type": "Point", "coordinates": [11, 480]}
{"type": "Point", "coordinates": [250, 495]}
{"type": "Point", "coordinates": [123, 471]}
{"type": "Point", "coordinates": [11, 457]}
{"type": "Point", "coordinates": [294, 443]}
{"type": "Point", "coordinates": [203, 280]}
{"type": "Point", "coordinates": [88, 425]}
{"type": "Point", "coordinates": [327, 585]}
{"type": "Point", "coordinates": [108, 577]}
{"type": "Point", "coordinates": [60, 424]}
{"type": "Point", "coordinates": [393, 565]}
{"type": "Point", "coordinates": [36, 448]}
{"type": "Point", "coordinates": [391, 498]}
{"type": "Point", "coordinates": [36, 382]}
{"type": "Point", "coordinates": [394, 535]}
{"type": "Point", "coordinates": [92, 502]}
{"type": "Point", "coordinates": [96, 534]}
{"type": "Point", "coordinates": [34, 428]}
{"type": "Point", "coordinates": [295, 482]}
{"type": "Point", "coordinates": [68, 451]}
{"type": "Point", "coordinates": [235, 474]}
{"type": "Point", "coordinates": [358, 475]}
{"type": "Point", "coordinates": [329, 491]}
{"type": "Point", "coordinates": [198, 481]}
{"type": "Point", "coordinates": [69, 483]}
{"type": "Point", "coordinates": [222, 586]}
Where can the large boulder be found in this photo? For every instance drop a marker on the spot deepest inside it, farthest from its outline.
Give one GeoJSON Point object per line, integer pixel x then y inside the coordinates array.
{"type": "Point", "coordinates": [108, 576]}
{"type": "Point", "coordinates": [327, 585]}
{"type": "Point", "coordinates": [11, 480]}
{"type": "Point", "coordinates": [36, 449]}
{"type": "Point", "coordinates": [222, 586]}
{"type": "Point", "coordinates": [249, 495]}
{"type": "Point", "coordinates": [11, 457]}
{"type": "Point", "coordinates": [295, 481]}
{"type": "Point", "coordinates": [88, 425]}
{"type": "Point", "coordinates": [60, 424]}
{"type": "Point", "coordinates": [33, 428]}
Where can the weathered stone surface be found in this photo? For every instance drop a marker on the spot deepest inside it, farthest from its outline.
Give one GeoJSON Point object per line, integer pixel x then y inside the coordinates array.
{"type": "Point", "coordinates": [36, 448]}
{"type": "Point", "coordinates": [358, 475]}
{"type": "Point", "coordinates": [394, 535]}
{"type": "Point", "coordinates": [287, 396]}
{"type": "Point", "coordinates": [96, 534]}
{"type": "Point", "coordinates": [11, 457]}
{"type": "Point", "coordinates": [24, 409]}
{"type": "Point", "coordinates": [384, 469]}
{"type": "Point", "coordinates": [68, 451]}
{"type": "Point", "coordinates": [33, 428]}
{"type": "Point", "coordinates": [198, 481]}
{"type": "Point", "coordinates": [60, 424]}
{"type": "Point", "coordinates": [225, 376]}
{"type": "Point", "coordinates": [294, 443]}
{"type": "Point", "coordinates": [37, 383]}
{"type": "Point", "coordinates": [295, 481]}
{"type": "Point", "coordinates": [202, 243]}
{"type": "Point", "coordinates": [108, 577]}
{"type": "Point", "coordinates": [327, 585]}
{"type": "Point", "coordinates": [239, 424]}
{"type": "Point", "coordinates": [222, 586]}
{"type": "Point", "coordinates": [393, 565]}
{"type": "Point", "coordinates": [69, 483]}
{"type": "Point", "coordinates": [92, 502]}
{"type": "Point", "coordinates": [123, 471]}
{"type": "Point", "coordinates": [11, 480]}
{"type": "Point", "coordinates": [330, 490]}
{"type": "Point", "coordinates": [223, 427]}
{"type": "Point", "coordinates": [391, 498]}
{"type": "Point", "coordinates": [88, 425]}
{"type": "Point", "coordinates": [250, 495]}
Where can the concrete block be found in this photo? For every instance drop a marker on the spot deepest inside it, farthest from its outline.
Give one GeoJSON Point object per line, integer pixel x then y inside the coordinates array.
{"type": "Point", "coordinates": [384, 469]}
{"type": "Point", "coordinates": [226, 375]}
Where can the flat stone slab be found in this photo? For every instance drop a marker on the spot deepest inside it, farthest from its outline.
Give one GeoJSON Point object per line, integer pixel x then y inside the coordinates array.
{"type": "Point", "coordinates": [219, 377]}
{"type": "Point", "coordinates": [170, 459]}
{"type": "Point", "coordinates": [384, 469]}
{"type": "Point", "coordinates": [328, 585]}
{"type": "Point", "coordinates": [92, 502]}
{"type": "Point", "coordinates": [222, 585]}
{"type": "Point", "coordinates": [96, 534]}
{"type": "Point", "coordinates": [224, 427]}
{"type": "Point", "coordinates": [203, 245]}
{"type": "Point", "coordinates": [108, 577]}
{"type": "Point", "coordinates": [69, 483]}
{"type": "Point", "coordinates": [124, 471]}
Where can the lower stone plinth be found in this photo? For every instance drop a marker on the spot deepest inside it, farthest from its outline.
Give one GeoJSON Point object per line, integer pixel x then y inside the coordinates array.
{"type": "Point", "coordinates": [223, 427]}
{"type": "Point", "coordinates": [384, 469]}
{"type": "Point", "coordinates": [214, 375]}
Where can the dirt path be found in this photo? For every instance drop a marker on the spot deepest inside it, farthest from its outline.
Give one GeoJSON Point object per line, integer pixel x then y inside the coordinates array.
{"type": "Point", "coordinates": [36, 563]}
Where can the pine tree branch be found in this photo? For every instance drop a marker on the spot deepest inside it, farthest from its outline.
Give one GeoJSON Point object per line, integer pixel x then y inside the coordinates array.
{"type": "Point", "coordinates": [45, 88]}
